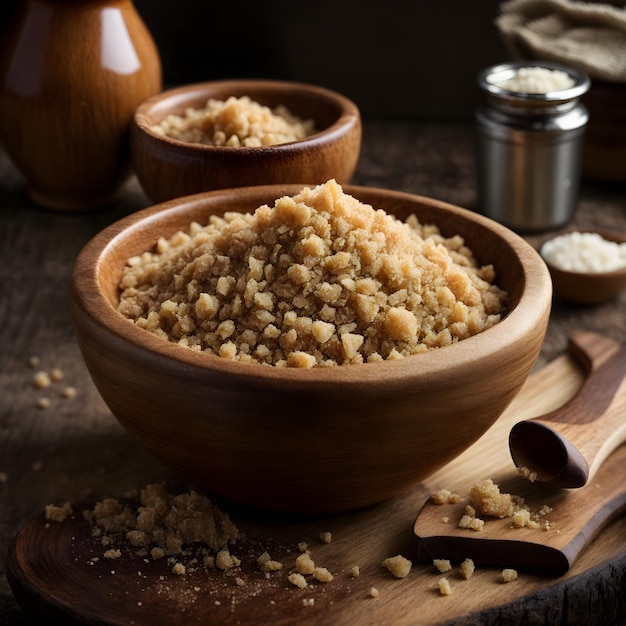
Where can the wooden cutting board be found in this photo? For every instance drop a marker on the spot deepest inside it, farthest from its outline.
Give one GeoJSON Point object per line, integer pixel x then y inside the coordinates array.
{"type": "Point", "coordinates": [53, 573]}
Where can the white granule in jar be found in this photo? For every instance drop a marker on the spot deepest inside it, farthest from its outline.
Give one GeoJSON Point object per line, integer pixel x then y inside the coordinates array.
{"type": "Point", "coordinates": [316, 280]}
{"type": "Point", "coordinates": [584, 252]}
{"type": "Point", "coordinates": [536, 80]}
{"type": "Point", "coordinates": [235, 123]}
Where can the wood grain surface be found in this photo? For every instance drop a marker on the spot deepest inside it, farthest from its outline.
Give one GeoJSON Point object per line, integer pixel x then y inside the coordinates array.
{"type": "Point", "coordinates": [51, 564]}
{"type": "Point", "coordinates": [74, 450]}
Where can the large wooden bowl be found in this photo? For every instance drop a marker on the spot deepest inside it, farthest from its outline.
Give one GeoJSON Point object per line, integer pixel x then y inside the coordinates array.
{"type": "Point", "coordinates": [168, 168]}
{"type": "Point", "coordinates": [315, 440]}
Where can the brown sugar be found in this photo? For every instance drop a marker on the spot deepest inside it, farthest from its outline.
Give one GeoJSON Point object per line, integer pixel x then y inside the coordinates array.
{"type": "Point", "coordinates": [508, 575]}
{"type": "Point", "coordinates": [486, 498]}
{"type": "Point", "coordinates": [467, 568]}
{"type": "Point", "coordinates": [58, 513]}
{"type": "Point", "coordinates": [445, 496]}
{"type": "Point", "coordinates": [443, 565]}
{"type": "Point", "coordinates": [445, 589]}
{"type": "Point", "coordinates": [235, 122]}
{"type": "Point", "coordinates": [318, 279]}
{"type": "Point", "coordinates": [398, 565]}
{"type": "Point", "coordinates": [165, 521]}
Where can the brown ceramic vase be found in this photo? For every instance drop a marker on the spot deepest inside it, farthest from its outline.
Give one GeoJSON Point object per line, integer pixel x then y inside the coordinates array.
{"type": "Point", "coordinates": [71, 75]}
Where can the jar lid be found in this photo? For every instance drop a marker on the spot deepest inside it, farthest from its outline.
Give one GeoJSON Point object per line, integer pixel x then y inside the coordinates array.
{"type": "Point", "coordinates": [562, 85]}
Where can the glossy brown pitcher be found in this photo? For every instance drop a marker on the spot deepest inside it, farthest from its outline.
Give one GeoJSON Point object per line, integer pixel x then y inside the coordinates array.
{"type": "Point", "coordinates": [71, 75]}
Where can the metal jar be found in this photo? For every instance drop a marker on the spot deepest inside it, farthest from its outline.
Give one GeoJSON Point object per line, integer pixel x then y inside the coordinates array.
{"type": "Point", "coordinates": [530, 149]}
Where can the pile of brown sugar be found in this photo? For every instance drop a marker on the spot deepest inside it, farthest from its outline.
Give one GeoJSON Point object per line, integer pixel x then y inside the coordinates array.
{"type": "Point", "coordinates": [317, 279]}
{"type": "Point", "coordinates": [163, 523]}
{"type": "Point", "coordinates": [236, 122]}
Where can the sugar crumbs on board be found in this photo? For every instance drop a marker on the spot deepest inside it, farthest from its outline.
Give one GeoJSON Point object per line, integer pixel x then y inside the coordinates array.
{"type": "Point", "coordinates": [43, 380]}
{"type": "Point", "coordinates": [188, 533]}
{"type": "Point", "coordinates": [487, 501]}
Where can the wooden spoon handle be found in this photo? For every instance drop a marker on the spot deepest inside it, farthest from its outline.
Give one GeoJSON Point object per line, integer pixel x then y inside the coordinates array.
{"type": "Point", "coordinates": [578, 436]}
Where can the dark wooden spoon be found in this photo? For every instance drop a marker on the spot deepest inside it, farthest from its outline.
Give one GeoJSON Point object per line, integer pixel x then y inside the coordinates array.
{"type": "Point", "coordinates": [565, 447]}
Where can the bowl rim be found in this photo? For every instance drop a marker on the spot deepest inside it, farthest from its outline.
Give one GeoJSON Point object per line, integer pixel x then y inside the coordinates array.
{"type": "Point", "coordinates": [349, 114]}
{"type": "Point", "coordinates": [87, 297]}
{"type": "Point", "coordinates": [609, 235]}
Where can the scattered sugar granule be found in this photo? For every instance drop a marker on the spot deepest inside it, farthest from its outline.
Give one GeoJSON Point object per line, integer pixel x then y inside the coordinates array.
{"type": "Point", "coordinates": [42, 380]}
{"type": "Point", "coordinates": [33, 360]}
{"type": "Point", "coordinates": [179, 569]}
{"type": "Point", "coordinates": [355, 571]}
{"type": "Point", "coordinates": [297, 580]}
{"type": "Point", "coordinates": [303, 546]}
{"type": "Point", "coordinates": [113, 553]}
{"type": "Point", "coordinates": [445, 496]}
{"type": "Point", "coordinates": [56, 374]}
{"type": "Point", "coordinates": [471, 523]}
{"type": "Point", "coordinates": [508, 575]}
{"type": "Point", "coordinates": [526, 473]}
{"type": "Point", "coordinates": [443, 565]}
{"type": "Point", "coordinates": [267, 564]}
{"type": "Point", "coordinates": [326, 537]}
{"type": "Point", "coordinates": [69, 392]}
{"type": "Point", "coordinates": [157, 553]}
{"type": "Point", "coordinates": [398, 565]}
{"type": "Point", "coordinates": [374, 593]}
{"type": "Point", "coordinates": [225, 560]}
{"type": "Point", "coordinates": [43, 403]}
{"type": "Point", "coordinates": [467, 568]}
{"type": "Point", "coordinates": [522, 519]}
{"type": "Point", "coordinates": [322, 574]}
{"type": "Point", "coordinates": [445, 519]}
{"type": "Point", "coordinates": [58, 513]}
{"type": "Point", "coordinates": [308, 601]}
{"type": "Point", "coordinates": [240, 582]}
{"type": "Point", "coordinates": [444, 587]}
{"type": "Point", "coordinates": [305, 564]}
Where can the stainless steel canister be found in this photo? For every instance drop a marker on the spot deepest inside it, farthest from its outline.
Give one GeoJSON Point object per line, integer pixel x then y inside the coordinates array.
{"type": "Point", "coordinates": [530, 149]}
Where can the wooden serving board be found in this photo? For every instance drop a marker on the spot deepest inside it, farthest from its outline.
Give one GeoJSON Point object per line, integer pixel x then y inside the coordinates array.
{"type": "Point", "coordinates": [52, 572]}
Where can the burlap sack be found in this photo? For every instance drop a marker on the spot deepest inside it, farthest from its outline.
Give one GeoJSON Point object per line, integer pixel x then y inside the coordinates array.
{"type": "Point", "coordinates": [588, 36]}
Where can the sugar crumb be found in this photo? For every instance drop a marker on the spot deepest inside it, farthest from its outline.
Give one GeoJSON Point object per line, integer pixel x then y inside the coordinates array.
{"type": "Point", "coordinates": [55, 513]}
{"type": "Point", "coordinates": [508, 575]}
{"type": "Point", "coordinates": [326, 537]}
{"type": "Point", "coordinates": [298, 580]}
{"type": "Point", "coordinates": [443, 565]}
{"type": "Point", "coordinates": [467, 568]}
{"type": "Point", "coordinates": [444, 586]}
{"type": "Point", "coordinates": [398, 565]}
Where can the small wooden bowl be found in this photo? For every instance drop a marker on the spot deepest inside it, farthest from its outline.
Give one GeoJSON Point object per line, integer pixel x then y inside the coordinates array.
{"type": "Point", "coordinates": [315, 440]}
{"type": "Point", "coordinates": [589, 288]}
{"type": "Point", "coordinates": [168, 168]}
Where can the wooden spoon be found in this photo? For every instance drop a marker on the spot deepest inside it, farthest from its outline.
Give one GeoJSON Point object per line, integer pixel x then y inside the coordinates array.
{"type": "Point", "coordinates": [565, 448]}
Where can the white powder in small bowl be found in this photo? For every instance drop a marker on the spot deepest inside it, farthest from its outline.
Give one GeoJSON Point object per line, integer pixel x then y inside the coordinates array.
{"type": "Point", "coordinates": [584, 252]}
{"type": "Point", "coordinates": [536, 80]}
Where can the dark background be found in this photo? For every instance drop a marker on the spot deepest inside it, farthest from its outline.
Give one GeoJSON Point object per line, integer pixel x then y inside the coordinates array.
{"type": "Point", "coordinates": [394, 58]}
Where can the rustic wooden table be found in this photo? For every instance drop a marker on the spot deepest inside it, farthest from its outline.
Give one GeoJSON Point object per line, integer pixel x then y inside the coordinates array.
{"type": "Point", "coordinates": [73, 449]}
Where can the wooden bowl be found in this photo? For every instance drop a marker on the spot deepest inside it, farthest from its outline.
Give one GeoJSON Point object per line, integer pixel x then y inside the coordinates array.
{"type": "Point", "coordinates": [589, 288]}
{"type": "Point", "coordinates": [168, 168]}
{"type": "Point", "coordinates": [314, 440]}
